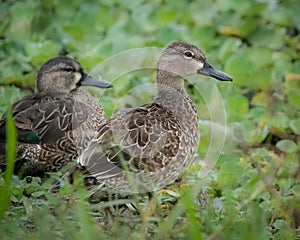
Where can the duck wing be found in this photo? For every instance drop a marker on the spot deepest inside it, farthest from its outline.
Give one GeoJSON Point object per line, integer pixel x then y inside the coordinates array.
{"type": "Point", "coordinates": [25, 107]}
{"type": "Point", "coordinates": [138, 140]}
{"type": "Point", "coordinates": [42, 120]}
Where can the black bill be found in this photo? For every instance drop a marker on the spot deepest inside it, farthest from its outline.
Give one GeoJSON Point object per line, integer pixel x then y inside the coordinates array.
{"type": "Point", "coordinates": [209, 70]}
{"type": "Point", "coordinates": [88, 80]}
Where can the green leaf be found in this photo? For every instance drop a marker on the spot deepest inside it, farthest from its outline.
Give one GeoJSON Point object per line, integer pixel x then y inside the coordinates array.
{"type": "Point", "coordinates": [37, 194]}
{"type": "Point", "coordinates": [40, 52]}
{"type": "Point", "coordinates": [245, 73]}
{"type": "Point", "coordinates": [280, 16]}
{"type": "Point", "coordinates": [261, 57]}
{"type": "Point", "coordinates": [279, 120]}
{"type": "Point", "coordinates": [255, 132]}
{"type": "Point", "coordinates": [229, 175]}
{"type": "Point", "coordinates": [229, 47]}
{"type": "Point", "coordinates": [166, 15]}
{"type": "Point", "coordinates": [294, 98]}
{"type": "Point", "coordinates": [17, 194]}
{"type": "Point", "coordinates": [208, 35]}
{"type": "Point", "coordinates": [240, 68]}
{"type": "Point", "coordinates": [22, 14]}
{"type": "Point", "coordinates": [238, 105]}
{"type": "Point", "coordinates": [291, 83]}
{"type": "Point", "coordinates": [295, 126]}
{"type": "Point", "coordinates": [261, 99]}
{"type": "Point", "coordinates": [267, 37]}
{"type": "Point", "coordinates": [286, 146]}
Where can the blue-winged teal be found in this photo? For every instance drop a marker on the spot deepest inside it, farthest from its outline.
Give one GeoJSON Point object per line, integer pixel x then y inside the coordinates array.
{"type": "Point", "coordinates": [152, 144]}
{"type": "Point", "coordinates": [57, 123]}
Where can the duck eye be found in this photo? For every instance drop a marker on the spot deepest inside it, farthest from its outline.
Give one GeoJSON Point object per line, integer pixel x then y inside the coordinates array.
{"type": "Point", "coordinates": [188, 54]}
{"type": "Point", "coordinates": [68, 69]}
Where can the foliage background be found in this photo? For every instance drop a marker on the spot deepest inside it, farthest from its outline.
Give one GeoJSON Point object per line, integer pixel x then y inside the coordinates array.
{"type": "Point", "coordinates": [253, 191]}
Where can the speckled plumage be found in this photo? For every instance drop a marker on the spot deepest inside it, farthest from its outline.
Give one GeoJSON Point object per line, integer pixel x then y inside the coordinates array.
{"type": "Point", "coordinates": [55, 124]}
{"type": "Point", "coordinates": [152, 144]}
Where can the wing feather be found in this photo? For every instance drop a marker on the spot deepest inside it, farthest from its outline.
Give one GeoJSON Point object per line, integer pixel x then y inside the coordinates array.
{"type": "Point", "coordinates": [141, 139]}
{"type": "Point", "coordinates": [41, 120]}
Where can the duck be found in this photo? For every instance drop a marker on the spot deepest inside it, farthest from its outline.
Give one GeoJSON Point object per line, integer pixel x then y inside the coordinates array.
{"type": "Point", "coordinates": [57, 122]}
{"type": "Point", "coordinates": [146, 148]}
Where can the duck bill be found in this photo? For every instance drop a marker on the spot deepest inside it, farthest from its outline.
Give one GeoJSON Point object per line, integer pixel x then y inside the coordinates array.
{"type": "Point", "coordinates": [88, 80]}
{"type": "Point", "coordinates": [209, 70]}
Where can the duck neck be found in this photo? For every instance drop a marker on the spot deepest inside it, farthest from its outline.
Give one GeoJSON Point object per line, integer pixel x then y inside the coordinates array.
{"type": "Point", "coordinates": [172, 95]}
{"type": "Point", "coordinates": [167, 81]}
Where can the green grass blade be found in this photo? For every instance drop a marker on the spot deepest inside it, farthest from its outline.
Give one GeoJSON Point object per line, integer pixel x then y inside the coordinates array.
{"type": "Point", "coordinates": [11, 145]}
{"type": "Point", "coordinates": [87, 230]}
{"type": "Point", "coordinates": [188, 201]}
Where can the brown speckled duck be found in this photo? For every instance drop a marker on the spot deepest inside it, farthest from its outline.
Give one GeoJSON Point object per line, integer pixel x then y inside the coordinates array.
{"type": "Point", "coordinates": [146, 148]}
{"type": "Point", "coordinates": [57, 123]}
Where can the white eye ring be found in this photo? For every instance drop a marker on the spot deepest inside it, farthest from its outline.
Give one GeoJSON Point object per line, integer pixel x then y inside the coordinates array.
{"type": "Point", "coordinates": [188, 54]}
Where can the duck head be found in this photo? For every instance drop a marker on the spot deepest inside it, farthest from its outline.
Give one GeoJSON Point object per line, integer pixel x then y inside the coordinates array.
{"type": "Point", "coordinates": [64, 74]}
{"type": "Point", "coordinates": [184, 59]}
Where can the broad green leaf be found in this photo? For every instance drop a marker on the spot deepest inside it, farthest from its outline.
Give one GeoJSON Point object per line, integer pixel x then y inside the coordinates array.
{"type": "Point", "coordinates": [257, 135]}
{"type": "Point", "coordinates": [22, 14]}
{"type": "Point", "coordinates": [40, 52]}
{"type": "Point", "coordinates": [17, 194]}
{"type": "Point", "coordinates": [229, 47]}
{"type": "Point", "coordinates": [207, 34]}
{"type": "Point", "coordinates": [270, 37]}
{"type": "Point", "coordinates": [261, 57]}
{"type": "Point", "coordinates": [37, 194]}
{"type": "Point", "coordinates": [279, 120]}
{"type": "Point", "coordinates": [237, 105]}
{"type": "Point", "coordinates": [295, 126]}
{"type": "Point", "coordinates": [294, 98]}
{"type": "Point", "coordinates": [280, 16]}
{"type": "Point", "coordinates": [166, 15]}
{"type": "Point", "coordinates": [292, 82]}
{"type": "Point", "coordinates": [242, 70]}
{"type": "Point", "coordinates": [253, 132]}
{"type": "Point", "coordinates": [261, 99]}
{"type": "Point", "coordinates": [286, 146]}
{"type": "Point", "coordinates": [229, 175]}
{"type": "Point", "coordinates": [246, 74]}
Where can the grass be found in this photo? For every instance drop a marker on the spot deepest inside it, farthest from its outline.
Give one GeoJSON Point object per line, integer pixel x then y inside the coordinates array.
{"type": "Point", "coordinates": [5, 190]}
{"type": "Point", "coordinates": [246, 187]}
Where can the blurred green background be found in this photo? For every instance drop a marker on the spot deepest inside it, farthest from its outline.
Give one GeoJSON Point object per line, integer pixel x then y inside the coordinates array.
{"type": "Point", "coordinates": [253, 191]}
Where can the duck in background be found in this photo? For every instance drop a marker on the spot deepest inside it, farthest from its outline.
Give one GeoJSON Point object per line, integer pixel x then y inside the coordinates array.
{"type": "Point", "coordinates": [58, 122]}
